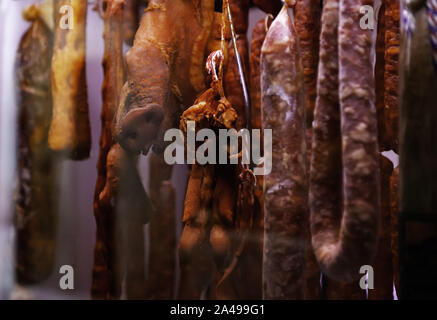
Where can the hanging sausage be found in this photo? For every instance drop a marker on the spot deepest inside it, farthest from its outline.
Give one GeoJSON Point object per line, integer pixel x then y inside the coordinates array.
{"type": "Point", "coordinates": [391, 74]}
{"type": "Point", "coordinates": [36, 205]}
{"type": "Point", "coordinates": [344, 242]}
{"type": "Point", "coordinates": [121, 206]}
{"type": "Point", "coordinates": [285, 188]}
{"type": "Point", "coordinates": [162, 231]}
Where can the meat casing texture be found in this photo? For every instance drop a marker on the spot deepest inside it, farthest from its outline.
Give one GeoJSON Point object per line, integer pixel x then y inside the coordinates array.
{"type": "Point", "coordinates": [391, 75]}
{"type": "Point", "coordinates": [285, 188]}
{"type": "Point", "coordinates": [343, 243]}
{"type": "Point", "coordinates": [169, 49]}
{"type": "Point", "coordinates": [130, 20]}
{"type": "Point", "coordinates": [70, 128]}
{"type": "Point", "coordinates": [307, 19]}
{"type": "Point", "coordinates": [36, 195]}
{"type": "Point", "coordinates": [326, 134]}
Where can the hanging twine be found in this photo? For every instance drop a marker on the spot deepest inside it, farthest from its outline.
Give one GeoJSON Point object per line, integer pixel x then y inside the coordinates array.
{"type": "Point", "coordinates": [431, 5]}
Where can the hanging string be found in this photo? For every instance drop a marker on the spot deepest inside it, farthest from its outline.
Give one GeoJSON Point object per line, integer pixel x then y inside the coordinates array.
{"type": "Point", "coordinates": [431, 5]}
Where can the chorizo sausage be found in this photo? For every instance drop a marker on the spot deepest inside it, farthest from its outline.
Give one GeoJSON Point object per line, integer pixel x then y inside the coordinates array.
{"type": "Point", "coordinates": [391, 74]}
{"type": "Point", "coordinates": [307, 19]}
{"type": "Point", "coordinates": [343, 242]}
{"type": "Point", "coordinates": [285, 188]}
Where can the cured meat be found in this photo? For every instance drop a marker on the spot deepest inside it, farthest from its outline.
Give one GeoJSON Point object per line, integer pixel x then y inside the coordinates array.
{"type": "Point", "coordinates": [223, 232]}
{"type": "Point", "coordinates": [325, 170]}
{"type": "Point", "coordinates": [258, 35]}
{"type": "Point", "coordinates": [313, 289]}
{"type": "Point", "coordinates": [383, 139]}
{"type": "Point", "coordinates": [131, 14]}
{"type": "Point", "coordinates": [210, 110]}
{"type": "Point", "coordinates": [343, 242]}
{"type": "Point", "coordinates": [123, 187]}
{"type": "Point", "coordinates": [391, 74]}
{"type": "Point", "coordinates": [285, 188]}
{"type": "Point", "coordinates": [119, 247]}
{"type": "Point", "coordinates": [240, 15]}
{"type": "Point", "coordinates": [383, 265]}
{"type": "Point", "coordinates": [158, 66]}
{"type": "Point", "coordinates": [269, 6]}
{"type": "Point", "coordinates": [195, 253]}
{"type": "Point", "coordinates": [107, 275]}
{"type": "Point", "coordinates": [38, 166]}
{"type": "Point", "coordinates": [232, 84]}
{"type": "Point", "coordinates": [70, 128]}
{"type": "Point", "coordinates": [231, 81]}
{"type": "Point", "coordinates": [307, 19]}
{"type": "Point", "coordinates": [162, 264]}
